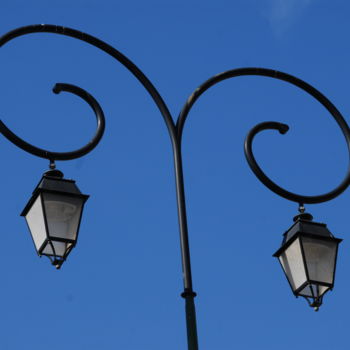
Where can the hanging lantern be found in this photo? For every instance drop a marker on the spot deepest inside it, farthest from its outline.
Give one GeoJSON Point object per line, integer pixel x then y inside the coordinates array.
{"type": "Point", "coordinates": [308, 257]}
{"type": "Point", "coordinates": [53, 216]}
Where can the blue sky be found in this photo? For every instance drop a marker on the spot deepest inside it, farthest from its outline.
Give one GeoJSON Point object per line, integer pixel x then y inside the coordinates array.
{"type": "Point", "coordinates": [120, 288]}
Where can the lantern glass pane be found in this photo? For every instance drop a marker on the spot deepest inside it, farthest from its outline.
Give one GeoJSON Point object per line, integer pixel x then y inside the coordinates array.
{"type": "Point", "coordinates": [292, 262]}
{"type": "Point", "coordinates": [36, 222]}
{"type": "Point", "coordinates": [63, 215]}
{"type": "Point", "coordinates": [313, 290]}
{"type": "Point", "coordinates": [323, 289]}
{"type": "Point", "coordinates": [306, 292]}
{"type": "Point", "coordinates": [320, 258]}
{"type": "Point", "coordinates": [59, 247]}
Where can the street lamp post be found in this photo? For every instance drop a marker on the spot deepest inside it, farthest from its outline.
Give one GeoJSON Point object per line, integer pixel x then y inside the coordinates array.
{"type": "Point", "coordinates": [308, 253]}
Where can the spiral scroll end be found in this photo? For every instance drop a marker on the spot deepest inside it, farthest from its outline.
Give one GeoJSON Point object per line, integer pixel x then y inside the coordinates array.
{"type": "Point", "coordinates": [57, 88]}
{"type": "Point", "coordinates": [283, 128]}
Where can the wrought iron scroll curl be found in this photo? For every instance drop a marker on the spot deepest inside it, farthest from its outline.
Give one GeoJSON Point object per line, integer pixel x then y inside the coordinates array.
{"type": "Point", "coordinates": [282, 128]}
{"type": "Point", "coordinates": [111, 51]}
{"type": "Point", "coordinates": [69, 32]}
{"type": "Point", "coordinates": [52, 156]}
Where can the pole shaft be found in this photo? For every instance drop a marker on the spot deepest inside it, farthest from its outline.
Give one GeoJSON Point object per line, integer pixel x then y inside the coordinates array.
{"type": "Point", "coordinates": [188, 294]}
{"type": "Point", "coordinates": [191, 322]}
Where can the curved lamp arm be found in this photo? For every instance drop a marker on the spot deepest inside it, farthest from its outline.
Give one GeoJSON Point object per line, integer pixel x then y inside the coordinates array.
{"type": "Point", "coordinates": [52, 156]}
{"type": "Point", "coordinates": [273, 125]}
{"type": "Point", "coordinates": [54, 29]}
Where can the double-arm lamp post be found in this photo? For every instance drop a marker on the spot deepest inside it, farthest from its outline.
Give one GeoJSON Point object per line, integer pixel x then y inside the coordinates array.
{"type": "Point", "coordinates": [309, 250]}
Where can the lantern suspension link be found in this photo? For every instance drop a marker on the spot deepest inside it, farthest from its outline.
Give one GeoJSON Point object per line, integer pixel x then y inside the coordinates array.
{"type": "Point", "coordinates": [282, 128]}
{"type": "Point", "coordinates": [52, 156]}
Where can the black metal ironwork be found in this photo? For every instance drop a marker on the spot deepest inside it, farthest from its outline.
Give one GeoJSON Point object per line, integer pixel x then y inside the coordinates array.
{"type": "Point", "coordinates": [317, 280]}
{"type": "Point", "coordinates": [282, 128]}
{"type": "Point", "coordinates": [52, 156]}
{"type": "Point", "coordinates": [175, 132]}
{"type": "Point", "coordinates": [54, 185]}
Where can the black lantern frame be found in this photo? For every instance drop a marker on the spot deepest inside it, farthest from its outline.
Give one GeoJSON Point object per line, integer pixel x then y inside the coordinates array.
{"type": "Point", "coordinates": [308, 257]}
{"type": "Point", "coordinates": [62, 191]}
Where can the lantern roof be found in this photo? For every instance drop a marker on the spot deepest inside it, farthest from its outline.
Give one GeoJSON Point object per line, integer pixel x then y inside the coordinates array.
{"type": "Point", "coordinates": [304, 225]}
{"type": "Point", "coordinates": [53, 181]}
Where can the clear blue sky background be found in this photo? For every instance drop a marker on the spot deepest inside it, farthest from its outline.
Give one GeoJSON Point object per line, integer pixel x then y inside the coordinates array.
{"type": "Point", "coordinates": [120, 288]}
